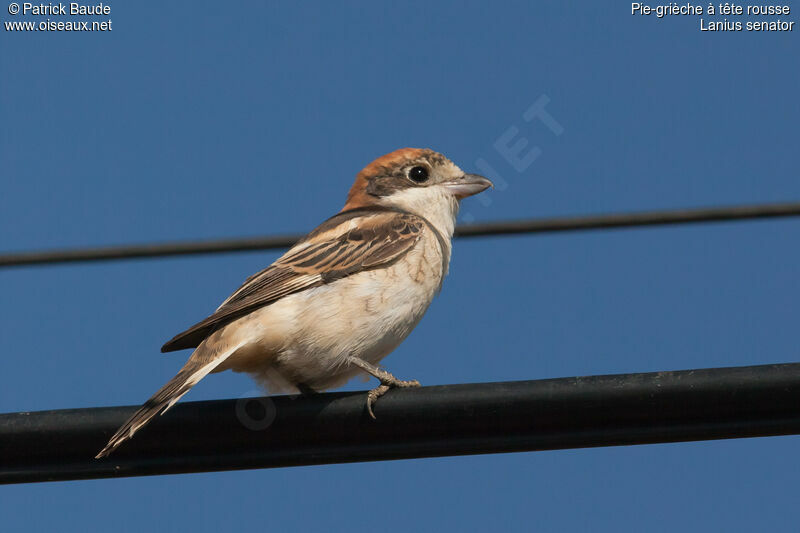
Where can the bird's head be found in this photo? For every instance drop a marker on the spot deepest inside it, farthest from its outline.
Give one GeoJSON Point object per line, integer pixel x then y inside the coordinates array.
{"type": "Point", "coordinates": [414, 179]}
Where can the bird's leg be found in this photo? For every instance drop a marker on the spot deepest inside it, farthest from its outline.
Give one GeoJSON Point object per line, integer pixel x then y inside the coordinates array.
{"type": "Point", "coordinates": [305, 389]}
{"type": "Point", "coordinates": [387, 381]}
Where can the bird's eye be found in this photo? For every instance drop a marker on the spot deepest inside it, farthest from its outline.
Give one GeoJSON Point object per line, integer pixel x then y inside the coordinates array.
{"type": "Point", "coordinates": [418, 174]}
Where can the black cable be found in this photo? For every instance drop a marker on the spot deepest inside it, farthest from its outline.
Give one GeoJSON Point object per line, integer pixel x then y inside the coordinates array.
{"type": "Point", "coordinates": [542, 225]}
{"type": "Point", "coordinates": [577, 412]}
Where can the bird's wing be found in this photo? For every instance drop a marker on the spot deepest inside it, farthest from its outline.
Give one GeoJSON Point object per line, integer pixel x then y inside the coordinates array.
{"type": "Point", "coordinates": [347, 243]}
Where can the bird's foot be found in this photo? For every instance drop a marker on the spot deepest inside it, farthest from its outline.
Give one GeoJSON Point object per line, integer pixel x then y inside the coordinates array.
{"type": "Point", "coordinates": [305, 389]}
{"type": "Point", "coordinates": [387, 382]}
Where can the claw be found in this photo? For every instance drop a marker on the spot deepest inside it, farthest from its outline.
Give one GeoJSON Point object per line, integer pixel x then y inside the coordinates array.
{"type": "Point", "coordinates": [380, 390]}
{"type": "Point", "coordinates": [373, 395]}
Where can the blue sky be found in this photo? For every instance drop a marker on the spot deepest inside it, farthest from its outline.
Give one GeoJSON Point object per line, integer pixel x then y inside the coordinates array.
{"type": "Point", "coordinates": [194, 120]}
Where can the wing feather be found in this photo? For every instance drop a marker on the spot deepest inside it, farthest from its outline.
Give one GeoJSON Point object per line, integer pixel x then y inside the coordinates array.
{"type": "Point", "coordinates": [347, 243]}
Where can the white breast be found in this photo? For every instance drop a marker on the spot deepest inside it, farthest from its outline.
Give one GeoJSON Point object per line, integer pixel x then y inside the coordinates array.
{"type": "Point", "coordinates": [305, 337]}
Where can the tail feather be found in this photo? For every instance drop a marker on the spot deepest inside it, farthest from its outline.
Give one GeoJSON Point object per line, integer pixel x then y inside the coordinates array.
{"type": "Point", "coordinates": [161, 401]}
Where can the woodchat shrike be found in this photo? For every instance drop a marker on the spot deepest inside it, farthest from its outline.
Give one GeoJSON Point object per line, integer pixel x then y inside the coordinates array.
{"type": "Point", "coordinates": [342, 298]}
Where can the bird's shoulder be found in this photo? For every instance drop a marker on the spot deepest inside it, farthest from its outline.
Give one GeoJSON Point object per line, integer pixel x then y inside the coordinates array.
{"type": "Point", "coordinates": [349, 242]}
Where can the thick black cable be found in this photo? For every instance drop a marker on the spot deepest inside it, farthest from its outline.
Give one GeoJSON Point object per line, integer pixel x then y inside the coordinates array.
{"type": "Point", "coordinates": [717, 403]}
{"type": "Point", "coordinates": [541, 225]}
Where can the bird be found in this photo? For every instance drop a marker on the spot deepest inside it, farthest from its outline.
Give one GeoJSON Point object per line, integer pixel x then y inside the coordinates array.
{"type": "Point", "coordinates": [339, 300]}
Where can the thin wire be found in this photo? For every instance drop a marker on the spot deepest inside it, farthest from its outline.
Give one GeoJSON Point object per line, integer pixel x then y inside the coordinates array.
{"type": "Point", "coordinates": [512, 227]}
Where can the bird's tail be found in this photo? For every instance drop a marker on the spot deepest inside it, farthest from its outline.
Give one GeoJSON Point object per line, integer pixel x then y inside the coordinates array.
{"type": "Point", "coordinates": [196, 368]}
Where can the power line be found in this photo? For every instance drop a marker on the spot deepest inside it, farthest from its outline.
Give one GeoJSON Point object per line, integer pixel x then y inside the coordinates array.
{"type": "Point", "coordinates": [577, 412]}
{"type": "Point", "coordinates": [537, 225]}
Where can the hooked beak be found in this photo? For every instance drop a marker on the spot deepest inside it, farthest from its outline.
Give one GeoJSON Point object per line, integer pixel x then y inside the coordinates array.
{"type": "Point", "coordinates": [467, 185]}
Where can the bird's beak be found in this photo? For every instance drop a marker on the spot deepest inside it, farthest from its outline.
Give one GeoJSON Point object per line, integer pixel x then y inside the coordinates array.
{"type": "Point", "coordinates": [467, 185]}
